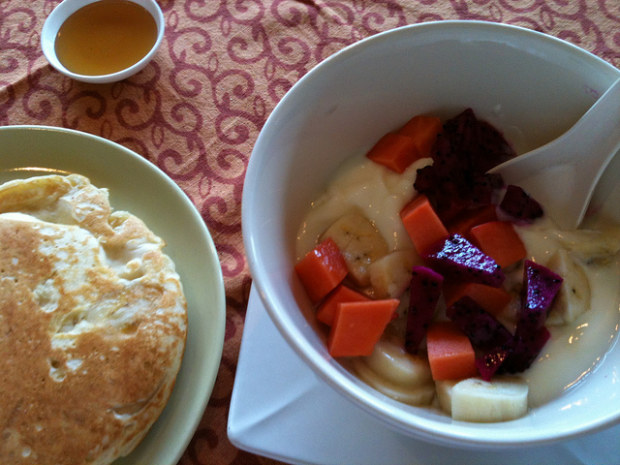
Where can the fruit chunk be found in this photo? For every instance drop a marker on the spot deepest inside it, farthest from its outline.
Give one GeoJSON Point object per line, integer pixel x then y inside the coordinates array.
{"type": "Point", "coordinates": [541, 286]}
{"type": "Point", "coordinates": [359, 242]}
{"type": "Point", "coordinates": [463, 223]}
{"type": "Point", "coordinates": [321, 270]}
{"type": "Point", "coordinates": [591, 245]}
{"type": "Point", "coordinates": [465, 150]}
{"type": "Point", "coordinates": [412, 394]}
{"type": "Point", "coordinates": [423, 130]}
{"type": "Point", "coordinates": [327, 310]}
{"type": "Point", "coordinates": [394, 151]}
{"type": "Point", "coordinates": [499, 240]}
{"type": "Point", "coordinates": [491, 362]}
{"type": "Point", "coordinates": [477, 400]}
{"type": "Point", "coordinates": [422, 223]}
{"type": "Point", "coordinates": [483, 330]}
{"type": "Point", "coordinates": [390, 361]}
{"type": "Point", "coordinates": [450, 353]}
{"type": "Point", "coordinates": [459, 258]}
{"type": "Point", "coordinates": [524, 348]}
{"type": "Point", "coordinates": [357, 326]}
{"type": "Point", "coordinates": [390, 275]}
{"type": "Point", "coordinates": [520, 205]}
{"type": "Point", "coordinates": [424, 292]}
{"type": "Point", "coordinates": [574, 296]}
{"type": "Point", "coordinates": [492, 299]}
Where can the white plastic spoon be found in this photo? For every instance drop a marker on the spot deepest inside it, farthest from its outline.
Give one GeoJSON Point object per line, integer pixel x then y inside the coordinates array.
{"type": "Point", "coordinates": [562, 174]}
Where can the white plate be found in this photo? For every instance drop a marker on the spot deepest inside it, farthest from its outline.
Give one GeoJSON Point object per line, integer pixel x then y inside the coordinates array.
{"type": "Point", "coordinates": [284, 411]}
{"type": "Point", "coordinates": [141, 188]}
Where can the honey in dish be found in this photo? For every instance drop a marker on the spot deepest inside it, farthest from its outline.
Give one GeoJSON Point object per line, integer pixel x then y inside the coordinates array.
{"type": "Point", "coordinates": [105, 37]}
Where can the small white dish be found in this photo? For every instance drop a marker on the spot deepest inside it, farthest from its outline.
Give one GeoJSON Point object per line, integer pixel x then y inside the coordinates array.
{"type": "Point", "coordinates": [140, 187]}
{"type": "Point", "coordinates": [285, 412]}
{"type": "Point", "coordinates": [65, 9]}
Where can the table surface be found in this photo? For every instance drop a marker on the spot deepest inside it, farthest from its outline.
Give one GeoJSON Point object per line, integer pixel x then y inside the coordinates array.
{"type": "Point", "coordinates": [197, 108]}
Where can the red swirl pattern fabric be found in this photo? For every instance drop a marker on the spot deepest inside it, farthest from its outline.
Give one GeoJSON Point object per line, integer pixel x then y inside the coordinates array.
{"type": "Point", "coordinates": [198, 107]}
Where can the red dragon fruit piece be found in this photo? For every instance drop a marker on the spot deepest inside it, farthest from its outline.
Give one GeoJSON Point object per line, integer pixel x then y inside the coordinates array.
{"type": "Point", "coordinates": [491, 362]}
{"type": "Point", "coordinates": [457, 257]}
{"type": "Point", "coordinates": [424, 291]}
{"type": "Point", "coordinates": [483, 330]}
{"type": "Point", "coordinates": [541, 286]}
{"type": "Point", "coordinates": [464, 151]}
{"type": "Point", "coordinates": [525, 347]}
{"type": "Point", "coordinates": [520, 205]}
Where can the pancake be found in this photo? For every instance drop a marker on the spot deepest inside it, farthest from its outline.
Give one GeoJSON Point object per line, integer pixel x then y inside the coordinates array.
{"type": "Point", "coordinates": [93, 324]}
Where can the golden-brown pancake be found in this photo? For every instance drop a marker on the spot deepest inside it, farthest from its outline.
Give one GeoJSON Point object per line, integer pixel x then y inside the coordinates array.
{"type": "Point", "coordinates": [93, 324]}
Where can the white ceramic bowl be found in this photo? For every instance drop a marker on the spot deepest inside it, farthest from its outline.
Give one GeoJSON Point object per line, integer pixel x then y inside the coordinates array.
{"type": "Point", "coordinates": [65, 9]}
{"type": "Point", "coordinates": [531, 86]}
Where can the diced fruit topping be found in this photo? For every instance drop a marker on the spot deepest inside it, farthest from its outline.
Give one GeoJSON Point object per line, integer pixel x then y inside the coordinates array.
{"type": "Point", "coordinates": [480, 146]}
{"type": "Point", "coordinates": [390, 275]}
{"type": "Point", "coordinates": [492, 299]}
{"type": "Point", "coordinates": [327, 310]}
{"type": "Point", "coordinates": [422, 223]}
{"type": "Point", "coordinates": [394, 151]}
{"type": "Point", "coordinates": [396, 373]}
{"type": "Point", "coordinates": [520, 205]}
{"type": "Point", "coordinates": [499, 240]}
{"type": "Point", "coordinates": [457, 181]}
{"type": "Point", "coordinates": [424, 292]}
{"type": "Point", "coordinates": [423, 129]}
{"type": "Point", "coordinates": [541, 286]}
{"type": "Point", "coordinates": [450, 353]}
{"type": "Point", "coordinates": [321, 270]}
{"type": "Point", "coordinates": [463, 223]}
{"type": "Point", "coordinates": [477, 400]}
{"type": "Point", "coordinates": [390, 360]}
{"type": "Point", "coordinates": [357, 326]}
{"type": "Point", "coordinates": [483, 329]}
{"type": "Point", "coordinates": [525, 347]}
{"type": "Point", "coordinates": [459, 258]}
{"type": "Point", "coordinates": [490, 362]}
{"type": "Point", "coordinates": [574, 296]}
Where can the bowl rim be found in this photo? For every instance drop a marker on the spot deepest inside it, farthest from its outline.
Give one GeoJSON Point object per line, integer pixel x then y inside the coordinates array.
{"type": "Point", "coordinates": [66, 8]}
{"type": "Point", "coordinates": [430, 430]}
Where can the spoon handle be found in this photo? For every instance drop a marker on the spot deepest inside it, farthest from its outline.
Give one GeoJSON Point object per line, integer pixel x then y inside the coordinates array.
{"type": "Point", "coordinates": [563, 173]}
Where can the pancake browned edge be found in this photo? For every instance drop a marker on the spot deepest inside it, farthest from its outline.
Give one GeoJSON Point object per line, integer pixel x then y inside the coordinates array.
{"type": "Point", "coordinates": [93, 324]}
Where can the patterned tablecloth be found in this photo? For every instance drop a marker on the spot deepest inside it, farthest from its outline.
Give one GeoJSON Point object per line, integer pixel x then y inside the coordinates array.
{"type": "Point", "coordinates": [197, 108]}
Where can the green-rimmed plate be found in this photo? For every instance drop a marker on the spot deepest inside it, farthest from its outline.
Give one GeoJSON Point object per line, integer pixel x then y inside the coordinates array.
{"type": "Point", "coordinates": [138, 186]}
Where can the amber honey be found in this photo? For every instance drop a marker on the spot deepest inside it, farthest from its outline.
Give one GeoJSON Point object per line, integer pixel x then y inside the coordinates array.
{"type": "Point", "coordinates": [105, 37]}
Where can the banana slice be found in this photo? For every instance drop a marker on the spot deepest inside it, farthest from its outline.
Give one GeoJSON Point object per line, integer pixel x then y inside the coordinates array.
{"type": "Point", "coordinates": [397, 374]}
{"type": "Point", "coordinates": [417, 395]}
{"type": "Point", "coordinates": [476, 400]}
{"type": "Point", "coordinates": [360, 243]}
{"type": "Point", "coordinates": [392, 362]}
{"type": "Point", "coordinates": [574, 296]}
{"type": "Point", "coordinates": [390, 275]}
{"type": "Point", "coordinates": [592, 245]}
{"type": "Point", "coordinates": [443, 390]}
